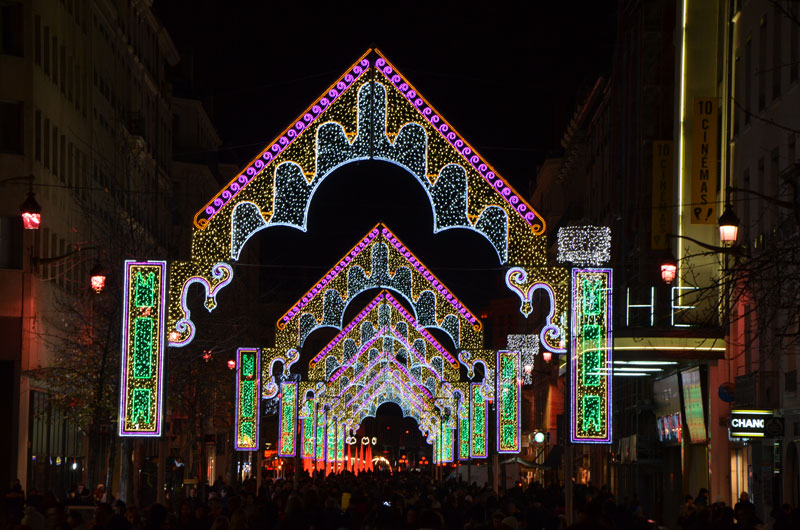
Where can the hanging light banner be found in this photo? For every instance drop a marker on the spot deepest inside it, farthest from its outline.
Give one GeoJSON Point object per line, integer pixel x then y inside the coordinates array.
{"type": "Point", "coordinates": [508, 401]}
{"type": "Point", "coordinates": [463, 434]}
{"type": "Point", "coordinates": [247, 402]}
{"type": "Point", "coordinates": [320, 434]}
{"type": "Point", "coordinates": [141, 385]}
{"type": "Point", "coordinates": [591, 360]}
{"type": "Point", "coordinates": [288, 419]}
{"type": "Point", "coordinates": [447, 444]}
{"type": "Point", "coordinates": [330, 455]}
{"type": "Point", "coordinates": [307, 451]}
{"type": "Point", "coordinates": [340, 446]}
{"type": "Point", "coordinates": [478, 419]}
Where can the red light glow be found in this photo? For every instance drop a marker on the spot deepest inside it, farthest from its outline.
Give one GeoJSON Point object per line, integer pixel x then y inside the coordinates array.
{"type": "Point", "coordinates": [231, 364]}
{"type": "Point", "coordinates": [31, 221]}
{"type": "Point", "coordinates": [98, 282]}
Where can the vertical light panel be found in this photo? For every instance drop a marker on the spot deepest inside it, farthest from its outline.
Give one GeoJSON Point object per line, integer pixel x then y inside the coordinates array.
{"type": "Point", "coordinates": [591, 359]}
{"type": "Point", "coordinates": [447, 444]}
{"type": "Point", "coordinates": [463, 435]}
{"type": "Point", "coordinates": [478, 420]}
{"type": "Point", "coordinates": [288, 419]}
{"type": "Point", "coordinates": [330, 454]}
{"type": "Point", "coordinates": [141, 384]}
{"type": "Point", "coordinates": [309, 432]}
{"type": "Point", "coordinates": [508, 402]}
{"type": "Point", "coordinates": [248, 362]}
{"type": "Point", "coordinates": [339, 445]}
{"type": "Point", "coordinates": [320, 434]}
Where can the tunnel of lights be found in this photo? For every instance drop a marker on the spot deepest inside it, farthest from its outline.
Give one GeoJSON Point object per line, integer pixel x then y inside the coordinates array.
{"type": "Point", "coordinates": [386, 353]}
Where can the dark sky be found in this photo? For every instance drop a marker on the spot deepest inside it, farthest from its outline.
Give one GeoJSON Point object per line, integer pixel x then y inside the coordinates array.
{"type": "Point", "coordinates": [507, 77]}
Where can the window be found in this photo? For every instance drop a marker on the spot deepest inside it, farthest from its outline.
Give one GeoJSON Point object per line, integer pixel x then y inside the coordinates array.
{"type": "Point", "coordinates": [37, 140]}
{"type": "Point", "coordinates": [11, 132]}
{"type": "Point", "coordinates": [63, 158]}
{"type": "Point", "coordinates": [10, 242]}
{"type": "Point", "coordinates": [63, 70]}
{"type": "Point", "coordinates": [762, 64]}
{"type": "Point", "coordinates": [11, 39]}
{"type": "Point", "coordinates": [70, 165]}
{"type": "Point", "coordinates": [748, 79]}
{"type": "Point", "coordinates": [777, 65]}
{"type": "Point", "coordinates": [37, 39]}
{"type": "Point", "coordinates": [47, 143]}
{"type": "Point", "coordinates": [794, 43]}
{"type": "Point", "coordinates": [55, 59]}
{"type": "Point", "coordinates": [46, 49]}
{"type": "Point", "coordinates": [55, 150]}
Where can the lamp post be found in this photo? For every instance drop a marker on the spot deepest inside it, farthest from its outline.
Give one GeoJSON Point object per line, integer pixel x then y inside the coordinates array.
{"type": "Point", "coordinates": [29, 210]}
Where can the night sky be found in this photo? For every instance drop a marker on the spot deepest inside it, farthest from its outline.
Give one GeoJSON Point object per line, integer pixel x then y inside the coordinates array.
{"type": "Point", "coordinates": [508, 78]}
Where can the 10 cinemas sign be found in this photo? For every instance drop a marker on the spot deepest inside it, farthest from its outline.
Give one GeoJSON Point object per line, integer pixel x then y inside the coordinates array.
{"type": "Point", "coordinates": [755, 424]}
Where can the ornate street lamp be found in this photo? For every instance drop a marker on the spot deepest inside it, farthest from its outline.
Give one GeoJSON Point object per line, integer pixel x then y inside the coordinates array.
{"type": "Point", "coordinates": [728, 226]}
{"type": "Point", "coordinates": [669, 270]}
{"type": "Point", "coordinates": [97, 277]}
{"type": "Point", "coordinates": [31, 213]}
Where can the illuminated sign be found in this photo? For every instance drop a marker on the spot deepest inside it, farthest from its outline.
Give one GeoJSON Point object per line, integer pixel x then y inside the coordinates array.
{"type": "Point", "coordinates": [591, 356]}
{"type": "Point", "coordinates": [141, 389]}
{"type": "Point", "coordinates": [705, 144]}
{"type": "Point", "coordinates": [693, 405]}
{"type": "Point", "coordinates": [755, 424]}
{"type": "Point", "coordinates": [247, 399]}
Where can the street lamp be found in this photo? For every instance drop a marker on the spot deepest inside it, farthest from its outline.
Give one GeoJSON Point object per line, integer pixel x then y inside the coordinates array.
{"type": "Point", "coordinates": [97, 277]}
{"type": "Point", "coordinates": [669, 270]}
{"type": "Point", "coordinates": [728, 226]}
{"type": "Point", "coordinates": [31, 213]}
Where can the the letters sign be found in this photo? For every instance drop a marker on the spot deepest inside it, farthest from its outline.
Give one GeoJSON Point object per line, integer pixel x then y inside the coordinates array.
{"type": "Point", "coordinates": [662, 195]}
{"type": "Point", "coordinates": [705, 159]}
{"type": "Point", "coordinates": [755, 424]}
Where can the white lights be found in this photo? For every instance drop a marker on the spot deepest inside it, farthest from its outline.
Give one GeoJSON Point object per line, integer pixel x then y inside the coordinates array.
{"type": "Point", "coordinates": [584, 245]}
{"type": "Point", "coordinates": [528, 346]}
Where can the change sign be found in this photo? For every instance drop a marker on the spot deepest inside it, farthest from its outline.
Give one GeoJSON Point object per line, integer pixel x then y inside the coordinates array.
{"type": "Point", "coordinates": [755, 424]}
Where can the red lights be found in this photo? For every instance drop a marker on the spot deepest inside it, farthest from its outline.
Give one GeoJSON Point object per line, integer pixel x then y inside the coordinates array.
{"type": "Point", "coordinates": [668, 272]}
{"type": "Point", "coordinates": [97, 278]}
{"type": "Point", "coordinates": [546, 355]}
{"type": "Point", "coordinates": [31, 213]}
{"type": "Point", "coordinates": [231, 364]}
{"type": "Point", "coordinates": [174, 336]}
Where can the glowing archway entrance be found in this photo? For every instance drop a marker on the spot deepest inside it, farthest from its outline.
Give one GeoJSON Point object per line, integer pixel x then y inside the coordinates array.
{"type": "Point", "coordinates": [373, 112]}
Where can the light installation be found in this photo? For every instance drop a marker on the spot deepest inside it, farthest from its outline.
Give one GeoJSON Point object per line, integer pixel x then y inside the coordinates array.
{"type": "Point", "coordinates": [509, 400]}
{"type": "Point", "coordinates": [387, 352]}
{"type": "Point", "coordinates": [528, 347]}
{"type": "Point", "coordinates": [371, 113]}
{"type": "Point", "coordinates": [479, 420]}
{"type": "Point", "coordinates": [309, 430]}
{"type": "Point", "coordinates": [288, 420]}
{"type": "Point", "coordinates": [247, 399]}
{"type": "Point", "coordinates": [141, 381]}
{"type": "Point", "coordinates": [592, 356]}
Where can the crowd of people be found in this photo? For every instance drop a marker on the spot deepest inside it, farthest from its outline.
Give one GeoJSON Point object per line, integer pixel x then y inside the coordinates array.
{"type": "Point", "coordinates": [372, 501]}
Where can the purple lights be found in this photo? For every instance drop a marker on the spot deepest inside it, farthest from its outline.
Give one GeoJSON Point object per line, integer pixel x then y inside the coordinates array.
{"type": "Point", "coordinates": [255, 167]}
{"type": "Point", "coordinates": [500, 186]}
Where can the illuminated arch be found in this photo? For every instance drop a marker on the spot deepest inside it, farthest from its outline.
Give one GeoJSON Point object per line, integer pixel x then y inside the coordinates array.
{"type": "Point", "coordinates": [372, 112]}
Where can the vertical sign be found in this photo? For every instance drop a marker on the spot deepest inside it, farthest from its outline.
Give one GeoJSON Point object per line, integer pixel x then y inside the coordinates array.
{"type": "Point", "coordinates": [247, 398]}
{"type": "Point", "coordinates": [591, 356]}
{"type": "Point", "coordinates": [141, 385]}
{"type": "Point", "coordinates": [477, 441]}
{"type": "Point", "coordinates": [508, 401]}
{"type": "Point", "coordinates": [320, 434]}
{"type": "Point", "coordinates": [331, 435]}
{"type": "Point", "coordinates": [662, 195]}
{"type": "Point", "coordinates": [463, 432]}
{"type": "Point", "coordinates": [308, 434]}
{"type": "Point", "coordinates": [705, 146]}
{"type": "Point", "coordinates": [447, 444]}
{"type": "Point", "coordinates": [288, 419]}
{"type": "Point", "coordinates": [340, 447]}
